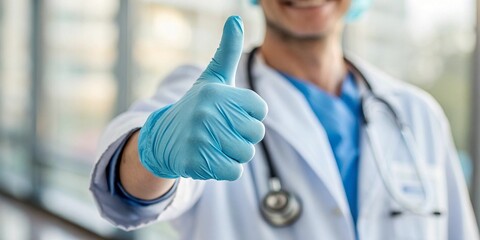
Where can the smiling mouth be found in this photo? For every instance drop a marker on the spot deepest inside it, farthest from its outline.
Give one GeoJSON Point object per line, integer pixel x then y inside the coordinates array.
{"type": "Point", "coordinates": [304, 3]}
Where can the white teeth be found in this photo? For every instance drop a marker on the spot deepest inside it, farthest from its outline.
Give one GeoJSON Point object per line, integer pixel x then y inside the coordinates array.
{"type": "Point", "coordinates": [306, 3]}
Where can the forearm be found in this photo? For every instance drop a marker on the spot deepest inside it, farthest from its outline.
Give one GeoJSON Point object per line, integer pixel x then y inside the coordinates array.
{"type": "Point", "coordinates": [137, 180]}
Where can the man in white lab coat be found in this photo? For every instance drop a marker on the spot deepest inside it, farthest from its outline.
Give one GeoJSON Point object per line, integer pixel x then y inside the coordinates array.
{"type": "Point", "coordinates": [167, 157]}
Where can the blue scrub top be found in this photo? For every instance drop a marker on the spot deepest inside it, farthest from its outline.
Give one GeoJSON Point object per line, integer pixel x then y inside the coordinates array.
{"type": "Point", "coordinates": [340, 117]}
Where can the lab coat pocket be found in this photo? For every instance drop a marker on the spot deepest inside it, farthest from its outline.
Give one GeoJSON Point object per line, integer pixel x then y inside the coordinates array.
{"type": "Point", "coordinates": [409, 226]}
{"type": "Point", "coordinates": [431, 223]}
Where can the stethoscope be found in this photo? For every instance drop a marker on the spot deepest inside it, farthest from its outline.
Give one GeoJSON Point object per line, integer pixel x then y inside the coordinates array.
{"type": "Point", "coordinates": [281, 208]}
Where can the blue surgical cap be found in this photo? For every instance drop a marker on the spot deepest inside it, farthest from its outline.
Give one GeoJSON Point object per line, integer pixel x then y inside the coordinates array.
{"type": "Point", "coordinates": [357, 8]}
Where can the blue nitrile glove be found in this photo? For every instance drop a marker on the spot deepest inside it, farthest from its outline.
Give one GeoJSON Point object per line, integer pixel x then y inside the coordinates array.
{"type": "Point", "coordinates": [211, 130]}
{"type": "Point", "coordinates": [357, 8]}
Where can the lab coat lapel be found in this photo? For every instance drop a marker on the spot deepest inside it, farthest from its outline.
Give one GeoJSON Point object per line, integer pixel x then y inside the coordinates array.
{"type": "Point", "coordinates": [370, 183]}
{"type": "Point", "coordinates": [291, 117]}
{"type": "Point", "coordinates": [369, 179]}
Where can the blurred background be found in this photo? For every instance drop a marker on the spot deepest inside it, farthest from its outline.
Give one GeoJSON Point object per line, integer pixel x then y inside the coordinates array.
{"type": "Point", "coordinates": [68, 67]}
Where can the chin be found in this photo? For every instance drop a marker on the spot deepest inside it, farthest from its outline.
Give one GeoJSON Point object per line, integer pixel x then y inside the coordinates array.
{"type": "Point", "coordinates": [306, 30]}
{"type": "Point", "coordinates": [314, 30]}
{"type": "Point", "coordinates": [305, 18]}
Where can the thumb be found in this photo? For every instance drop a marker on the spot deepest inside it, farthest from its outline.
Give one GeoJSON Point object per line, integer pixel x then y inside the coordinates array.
{"type": "Point", "coordinates": [223, 66]}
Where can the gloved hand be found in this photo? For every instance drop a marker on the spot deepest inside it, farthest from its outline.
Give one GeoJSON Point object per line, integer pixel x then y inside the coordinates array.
{"type": "Point", "coordinates": [211, 130]}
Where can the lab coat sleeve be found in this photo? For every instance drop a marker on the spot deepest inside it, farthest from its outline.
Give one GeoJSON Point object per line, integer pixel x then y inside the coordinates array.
{"type": "Point", "coordinates": [111, 206]}
{"type": "Point", "coordinates": [461, 220]}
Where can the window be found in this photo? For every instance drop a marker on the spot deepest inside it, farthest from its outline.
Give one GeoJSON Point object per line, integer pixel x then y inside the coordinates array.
{"type": "Point", "coordinates": [78, 94]}
{"type": "Point", "coordinates": [429, 44]}
{"type": "Point", "coordinates": [15, 168]}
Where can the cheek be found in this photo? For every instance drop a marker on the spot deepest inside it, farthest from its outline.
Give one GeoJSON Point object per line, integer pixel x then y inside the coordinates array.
{"type": "Point", "coordinates": [345, 6]}
{"type": "Point", "coordinates": [271, 8]}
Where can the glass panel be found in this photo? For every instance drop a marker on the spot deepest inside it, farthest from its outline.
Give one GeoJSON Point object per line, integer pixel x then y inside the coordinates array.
{"type": "Point", "coordinates": [170, 33]}
{"type": "Point", "coordinates": [14, 224]}
{"type": "Point", "coordinates": [67, 195]}
{"type": "Point", "coordinates": [157, 49]}
{"type": "Point", "coordinates": [14, 95]}
{"type": "Point", "coordinates": [79, 87]}
{"type": "Point", "coordinates": [429, 44]}
{"type": "Point", "coordinates": [78, 98]}
{"type": "Point", "coordinates": [14, 61]}
{"type": "Point", "coordinates": [14, 168]}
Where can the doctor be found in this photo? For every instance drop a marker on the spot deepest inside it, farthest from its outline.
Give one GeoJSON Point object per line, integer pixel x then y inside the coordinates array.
{"type": "Point", "coordinates": [347, 152]}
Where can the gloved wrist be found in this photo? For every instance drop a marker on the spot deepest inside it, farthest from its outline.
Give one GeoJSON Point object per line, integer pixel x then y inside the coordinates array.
{"type": "Point", "coordinates": [146, 145]}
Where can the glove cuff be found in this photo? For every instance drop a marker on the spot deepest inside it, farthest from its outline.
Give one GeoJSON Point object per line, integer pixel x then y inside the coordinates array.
{"type": "Point", "coordinates": [146, 145]}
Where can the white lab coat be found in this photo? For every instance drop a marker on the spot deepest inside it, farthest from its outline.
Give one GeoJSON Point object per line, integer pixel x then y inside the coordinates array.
{"type": "Point", "coordinates": [304, 160]}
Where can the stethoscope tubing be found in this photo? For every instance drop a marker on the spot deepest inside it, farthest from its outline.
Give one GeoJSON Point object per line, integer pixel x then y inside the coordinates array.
{"type": "Point", "coordinates": [406, 135]}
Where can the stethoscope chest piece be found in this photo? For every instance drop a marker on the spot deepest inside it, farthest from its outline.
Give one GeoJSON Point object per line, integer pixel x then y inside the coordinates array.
{"type": "Point", "coordinates": [280, 208]}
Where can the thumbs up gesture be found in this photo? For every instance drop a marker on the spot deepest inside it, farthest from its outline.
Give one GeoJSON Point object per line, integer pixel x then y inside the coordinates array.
{"type": "Point", "coordinates": [209, 133]}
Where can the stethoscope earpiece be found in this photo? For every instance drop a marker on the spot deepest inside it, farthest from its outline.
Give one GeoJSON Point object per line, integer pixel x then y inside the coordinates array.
{"type": "Point", "coordinates": [280, 208]}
